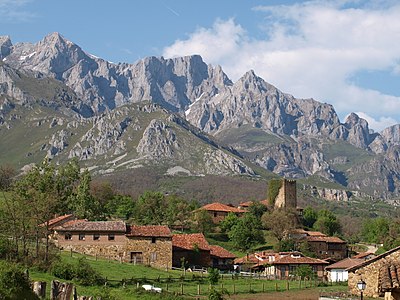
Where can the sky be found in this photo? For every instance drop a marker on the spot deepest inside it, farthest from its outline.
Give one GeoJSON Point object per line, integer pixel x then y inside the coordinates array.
{"type": "Point", "coordinates": [342, 52]}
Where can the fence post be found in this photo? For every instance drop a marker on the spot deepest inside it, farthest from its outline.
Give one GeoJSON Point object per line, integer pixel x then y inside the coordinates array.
{"type": "Point", "coordinates": [276, 286]}
{"type": "Point", "coordinates": [287, 284]}
{"type": "Point", "coordinates": [263, 287]}
{"type": "Point", "coordinates": [234, 288]}
{"type": "Point", "coordinates": [250, 286]}
{"type": "Point", "coordinates": [198, 289]}
{"type": "Point", "coordinates": [182, 288]}
{"type": "Point", "coordinates": [167, 287]}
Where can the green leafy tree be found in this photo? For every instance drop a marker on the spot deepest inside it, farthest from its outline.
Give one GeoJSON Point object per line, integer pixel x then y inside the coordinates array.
{"type": "Point", "coordinates": [86, 206]}
{"type": "Point", "coordinates": [375, 230]}
{"type": "Point", "coordinates": [310, 216]}
{"type": "Point", "coordinates": [257, 209]}
{"type": "Point", "coordinates": [202, 221]}
{"type": "Point", "coordinates": [121, 206]}
{"type": "Point", "coordinates": [280, 222]}
{"type": "Point", "coordinates": [227, 224]}
{"type": "Point", "coordinates": [150, 209]}
{"type": "Point", "coordinates": [246, 233]}
{"type": "Point", "coordinates": [304, 271]}
{"type": "Point", "coordinates": [327, 223]}
{"type": "Point", "coordinates": [178, 211]}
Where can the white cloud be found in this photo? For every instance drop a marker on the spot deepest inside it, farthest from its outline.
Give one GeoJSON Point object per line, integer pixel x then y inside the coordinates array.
{"type": "Point", "coordinates": [310, 49]}
{"type": "Point", "coordinates": [13, 11]}
{"type": "Point", "coordinates": [379, 124]}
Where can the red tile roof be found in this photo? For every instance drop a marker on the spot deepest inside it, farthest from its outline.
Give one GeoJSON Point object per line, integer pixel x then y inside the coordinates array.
{"type": "Point", "coordinates": [363, 255]}
{"type": "Point", "coordinates": [218, 251]}
{"type": "Point", "coordinates": [190, 241]}
{"type": "Point", "coordinates": [222, 207]}
{"type": "Point", "coordinates": [297, 260]}
{"type": "Point", "coordinates": [345, 263]}
{"type": "Point", "coordinates": [251, 258]}
{"type": "Point", "coordinates": [148, 231]}
{"type": "Point", "coordinates": [59, 219]}
{"type": "Point", "coordinates": [246, 204]}
{"type": "Point", "coordinates": [326, 239]}
{"type": "Point", "coordinates": [91, 226]}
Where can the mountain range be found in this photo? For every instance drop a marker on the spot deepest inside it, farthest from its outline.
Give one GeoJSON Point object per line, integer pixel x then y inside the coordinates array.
{"type": "Point", "coordinates": [185, 118]}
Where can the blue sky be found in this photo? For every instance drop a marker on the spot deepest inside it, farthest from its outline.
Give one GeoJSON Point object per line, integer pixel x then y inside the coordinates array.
{"type": "Point", "coordinates": [343, 52]}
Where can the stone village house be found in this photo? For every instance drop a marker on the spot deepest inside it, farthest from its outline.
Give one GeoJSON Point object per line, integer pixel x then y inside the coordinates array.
{"type": "Point", "coordinates": [151, 245]}
{"type": "Point", "coordinates": [219, 211]}
{"type": "Point", "coordinates": [381, 275]}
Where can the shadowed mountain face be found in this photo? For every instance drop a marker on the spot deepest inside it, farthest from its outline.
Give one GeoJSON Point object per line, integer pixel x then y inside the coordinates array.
{"type": "Point", "coordinates": [183, 115]}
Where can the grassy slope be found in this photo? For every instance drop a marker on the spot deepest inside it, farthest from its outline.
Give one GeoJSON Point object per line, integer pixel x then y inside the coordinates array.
{"type": "Point", "coordinates": [117, 271]}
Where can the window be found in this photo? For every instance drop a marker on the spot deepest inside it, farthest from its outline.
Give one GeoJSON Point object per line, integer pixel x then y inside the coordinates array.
{"type": "Point", "coordinates": [153, 239]}
{"type": "Point", "coordinates": [81, 236]}
{"type": "Point", "coordinates": [96, 237]}
{"type": "Point", "coordinates": [215, 214]}
{"type": "Point", "coordinates": [111, 237]}
{"type": "Point", "coordinates": [153, 256]}
{"type": "Point", "coordinates": [68, 236]}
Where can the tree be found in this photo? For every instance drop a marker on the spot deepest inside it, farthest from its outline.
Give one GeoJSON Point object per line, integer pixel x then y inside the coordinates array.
{"type": "Point", "coordinates": [202, 221]}
{"type": "Point", "coordinates": [227, 224]}
{"type": "Point", "coordinates": [121, 206]}
{"type": "Point", "coordinates": [310, 216]}
{"type": "Point", "coordinates": [375, 230]}
{"type": "Point", "coordinates": [327, 223]}
{"type": "Point", "coordinates": [246, 233]}
{"type": "Point", "coordinates": [150, 209]}
{"type": "Point", "coordinates": [257, 209]}
{"type": "Point", "coordinates": [304, 271]}
{"type": "Point", "coordinates": [213, 276]}
{"type": "Point", "coordinates": [86, 206]}
{"type": "Point", "coordinates": [280, 222]}
{"type": "Point", "coordinates": [178, 211]}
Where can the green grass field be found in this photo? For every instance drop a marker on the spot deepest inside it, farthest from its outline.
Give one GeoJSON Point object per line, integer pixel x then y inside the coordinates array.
{"type": "Point", "coordinates": [173, 282]}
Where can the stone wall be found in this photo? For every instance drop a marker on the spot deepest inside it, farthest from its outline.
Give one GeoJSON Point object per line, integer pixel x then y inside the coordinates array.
{"type": "Point", "coordinates": [287, 195]}
{"type": "Point", "coordinates": [192, 257]}
{"type": "Point", "coordinates": [156, 251]}
{"type": "Point", "coordinates": [370, 274]}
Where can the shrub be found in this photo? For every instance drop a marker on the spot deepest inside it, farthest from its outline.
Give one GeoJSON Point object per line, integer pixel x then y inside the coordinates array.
{"type": "Point", "coordinates": [13, 283]}
{"type": "Point", "coordinates": [86, 275]}
{"type": "Point", "coordinates": [213, 275]}
{"type": "Point", "coordinates": [63, 270]}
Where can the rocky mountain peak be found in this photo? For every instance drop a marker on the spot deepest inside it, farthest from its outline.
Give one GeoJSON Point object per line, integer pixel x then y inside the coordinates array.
{"type": "Point", "coordinates": [392, 134]}
{"type": "Point", "coordinates": [5, 46]}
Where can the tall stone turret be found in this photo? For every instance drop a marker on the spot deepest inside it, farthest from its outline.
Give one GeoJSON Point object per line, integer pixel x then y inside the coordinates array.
{"type": "Point", "coordinates": [287, 195]}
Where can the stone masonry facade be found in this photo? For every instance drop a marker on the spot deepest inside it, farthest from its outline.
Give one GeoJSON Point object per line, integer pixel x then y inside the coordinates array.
{"type": "Point", "coordinates": [287, 195]}
{"type": "Point", "coordinates": [370, 274]}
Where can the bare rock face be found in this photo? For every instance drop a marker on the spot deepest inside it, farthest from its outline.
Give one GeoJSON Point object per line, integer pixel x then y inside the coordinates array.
{"type": "Point", "coordinates": [391, 135]}
{"type": "Point", "coordinates": [158, 142]}
{"type": "Point", "coordinates": [5, 46]}
{"type": "Point", "coordinates": [219, 162]}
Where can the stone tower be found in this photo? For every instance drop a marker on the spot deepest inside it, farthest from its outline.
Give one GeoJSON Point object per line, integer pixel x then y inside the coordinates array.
{"type": "Point", "coordinates": [287, 195]}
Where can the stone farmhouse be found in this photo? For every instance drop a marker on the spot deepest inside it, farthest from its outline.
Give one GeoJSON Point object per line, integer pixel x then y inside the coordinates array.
{"type": "Point", "coordinates": [151, 245]}
{"type": "Point", "coordinates": [280, 265]}
{"type": "Point", "coordinates": [219, 211]}
{"type": "Point", "coordinates": [323, 246]}
{"type": "Point", "coordinates": [381, 275]}
{"type": "Point", "coordinates": [197, 252]}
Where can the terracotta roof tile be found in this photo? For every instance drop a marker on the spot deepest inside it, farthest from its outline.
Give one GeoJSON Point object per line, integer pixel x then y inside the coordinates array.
{"type": "Point", "coordinates": [218, 251]}
{"type": "Point", "coordinates": [293, 260]}
{"type": "Point", "coordinates": [91, 226]}
{"type": "Point", "coordinates": [58, 220]}
{"type": "Point", "coordinates": [369, 261]}
{"type": "Point", "coordinates": [222, 207]}
{"type": "Point", "coordinates": [345, 263]}
{"type": "Point", "coordinates": [190, 241]}
{"type": "Point", "coordinates": [327, 239]}
{"type": "Point", "coordinates": [363, 254]}
{"type": "Point", "coordinates": [149, 231]}
{"type": "Point", "coordinates": [251, 258]}
{"type": "Point", "coordinates": [389, 277]}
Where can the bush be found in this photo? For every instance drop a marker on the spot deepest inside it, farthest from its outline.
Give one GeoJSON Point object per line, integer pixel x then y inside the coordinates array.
{"type": "Point", "coordinates": [86, 275]}
{"type": "Point", "coordinates": [13, 283]}
{"type": "Point", "coordinates": [5, 248]}
{"type": "Point", "coordinates": [213, 275]}
{"type": "Point", "coordinates": [63, 270]}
